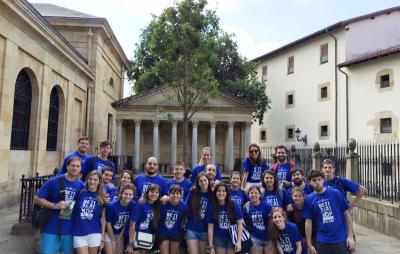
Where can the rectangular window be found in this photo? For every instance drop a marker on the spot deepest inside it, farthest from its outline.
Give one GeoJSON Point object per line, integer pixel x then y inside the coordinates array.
{"type": "Point", "coordinates": [263, 136]}
{"type": "Point", "coordinates": [324, 130]}
{"type": "Point", "coordinates": [290, 68]}
{"type": "Point", "coordinates": [290, 99]}
{"type": "Point", "coordinates": [323, 53]}
{"type": "Point", "coordinates": [385, 81]}
{"type": "Point", "coordinates": [264, 73]}
{"type": "Point", "coordinates": [324, 92]}
{"type": "Point", "coordinates": [386, 125]}
{"type": "Point", "coordinates": [290, 133]}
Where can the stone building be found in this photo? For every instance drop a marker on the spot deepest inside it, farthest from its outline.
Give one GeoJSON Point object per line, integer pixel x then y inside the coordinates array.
{"type": "Point", "coordinates": [60, 70]}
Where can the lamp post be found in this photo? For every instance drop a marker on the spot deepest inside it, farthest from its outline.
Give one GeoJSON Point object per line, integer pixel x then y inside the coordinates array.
{"type": "Point", "coordinates": [302, 139]}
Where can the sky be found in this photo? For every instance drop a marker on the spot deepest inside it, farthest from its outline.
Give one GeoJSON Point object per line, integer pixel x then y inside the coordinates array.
{"type": "Point", "coordinates": [259, 25]}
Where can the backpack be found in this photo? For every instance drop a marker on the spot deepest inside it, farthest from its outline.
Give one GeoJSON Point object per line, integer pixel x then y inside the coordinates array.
{"type": "Point", "coordinates": [40, 215]}
{"type": "Point", "coordinates": [93, 161]}
{"type": "Point", "coordinates": [342, 188]}
{"type": "Point", "coordinates": [292, 165]}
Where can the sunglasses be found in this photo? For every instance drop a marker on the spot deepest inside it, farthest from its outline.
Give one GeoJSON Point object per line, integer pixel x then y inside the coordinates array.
{"type": "Point", "coordinates": [253, 151]}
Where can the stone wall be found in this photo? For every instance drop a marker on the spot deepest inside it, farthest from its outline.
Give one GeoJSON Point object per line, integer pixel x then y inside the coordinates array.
{"type": "Point", "coordinates": [380, 216]}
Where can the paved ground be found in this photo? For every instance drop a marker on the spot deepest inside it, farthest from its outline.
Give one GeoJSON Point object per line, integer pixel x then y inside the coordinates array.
{"type": "Point", "coordinates": [368, 241]}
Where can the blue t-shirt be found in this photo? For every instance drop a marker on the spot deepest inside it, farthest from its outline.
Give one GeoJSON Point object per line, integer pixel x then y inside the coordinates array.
{"type": "Point", "coordinates": [98, 165]}
{"type": "Point", "coordinates": [142, 215]}
{"type": "Point", "coordinates": [199, 225]}
{"type": "Point", "coordinates": [63, 168]}
{"type": "Point", "coordinates": [308, 189]}
{"type": "Point", "coordinates": [273, 198]}
{"type": "Point", "coordinates": [171, 218]}
{"type": "Point", "coordinates": [258, 216]}
{"type": "Point", "coordinates": [111, 190]}
{"type": "Point", "coordinates": [142, 183]}
{"type": "Point", "coordinates": [343, 185]}
{"type": "Point", "coordinates": [289, 237]}
{"type": "Point", "coordinates": [283, 172]}
{"type": "Point", "coordinates": [185, 186]}
{"type": "Point", "coordinates": [200, 168]}
{"type": "Point", "coordinates": [222, 223]}
{"type": "Point", "coordinates": [87, 214]}
{"type": "Point", "coordinates": [50, 191]}
{"type": "Point", "coordinates": [326, 210]}
{"type": "Point", "coordinates": [255, 171]}
{"type": "Point", "coordinates": [238, 196]}
{"type": "Point", "coordinates": [118, 215]}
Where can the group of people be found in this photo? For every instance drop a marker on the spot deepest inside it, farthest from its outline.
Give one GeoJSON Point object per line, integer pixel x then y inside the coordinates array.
{"type": "Point", "coordinates": [281, 210]}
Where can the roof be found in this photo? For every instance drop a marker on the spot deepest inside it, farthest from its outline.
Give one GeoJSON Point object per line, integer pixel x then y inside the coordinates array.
{"type": "Point", "coordinates": [324, 31]}
{"type": "Point", "coordinates": [371, 56]}
{"type": "Point", "coordinates": [51, 10]}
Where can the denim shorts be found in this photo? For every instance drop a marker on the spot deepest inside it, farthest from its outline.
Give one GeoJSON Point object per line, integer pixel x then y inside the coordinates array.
{"type": "Point", "coordinates": [51, 243]}
{"type": "Point", "coordinates": [258, 243]}
{"type": "Point", "coordinates": [193, 235]}
{"type": "Point", "coordinates": [223, 243]}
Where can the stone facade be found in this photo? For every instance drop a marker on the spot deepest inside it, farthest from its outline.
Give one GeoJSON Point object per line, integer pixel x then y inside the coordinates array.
{"type": "Point", "coordinates": [54, 56]}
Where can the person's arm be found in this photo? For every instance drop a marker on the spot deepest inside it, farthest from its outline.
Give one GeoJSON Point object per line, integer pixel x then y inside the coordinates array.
{"type": "Point", "coordinates": [131, 236]}
{"type": "Point", "coordinates": [238, 245]}
{"type": "Point", "coordinates": [210, 234]}
{"type": "Point", "coordinates": [298, 247]}
{"type": "Point", "coordinates": [308, 229]}
{"type": "Point", "coordinates": [50, 205]}
{"type": "Point", "coordinates": [110, 233]}
{"type": "Point", "coordinates": [103, 227]}
{"type": "Point", "coordinates": [349, 222]}
{"type": "Point", "coordinates": [244, 180]}
{"type": "Point", "coordinates": [359, 195]}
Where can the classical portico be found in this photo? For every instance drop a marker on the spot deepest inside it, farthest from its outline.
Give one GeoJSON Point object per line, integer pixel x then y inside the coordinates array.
{"type": "Point", "coordinates": [224, 125]}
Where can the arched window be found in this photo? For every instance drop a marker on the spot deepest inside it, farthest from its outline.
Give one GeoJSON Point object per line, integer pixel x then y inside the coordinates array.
{"type": "Point", "coordinates": [21, 112]}
{"type": "Point", "coordinates": [52, 126]}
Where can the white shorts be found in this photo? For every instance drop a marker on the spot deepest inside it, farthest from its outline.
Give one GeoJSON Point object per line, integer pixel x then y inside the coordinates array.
{"type": "Point", "coordinates": [107, 238]}
{"type": "Point", "coordinates": [90, 240]}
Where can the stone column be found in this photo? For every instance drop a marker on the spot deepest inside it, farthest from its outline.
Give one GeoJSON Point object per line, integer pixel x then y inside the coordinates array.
{"type": "Point", "coordinates": [230, 145]}
{"type": "Point", "coordinates": [173, 142]}
{"type": "Point", "coordinates": [352, 162]}
{"type": "Point", "coordinates": [155, 138]}
{"type": "Point", "coordinates": [137, 144]}
{"type": "Point", "coordinates": [119, 137]}
{"type": "Point", "coordinates": [247, 135]}
{"type": "Point", "coordinates": [212, 140]}
{"type": "Point", "coordinates": [316, 157]}
{"type": "Point", "coordinates": [194, 143]}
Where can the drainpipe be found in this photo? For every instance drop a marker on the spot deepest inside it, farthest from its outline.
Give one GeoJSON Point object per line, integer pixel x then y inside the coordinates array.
{"type": "Point", "coordinates": [347, 104]}
{"type": "Point", "coordinates": [336, 88]}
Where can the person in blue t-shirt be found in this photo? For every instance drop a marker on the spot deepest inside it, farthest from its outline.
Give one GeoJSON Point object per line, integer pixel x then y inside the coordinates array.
{"type": "Point", "coordinates": [256, 215]}
{"type": "Point", "coordinates": [179, 179]}
{"type": "Point", "coordinates": [343, 185]}
{"type": "Point", "coordinates": [220, 215]}
{"type": "Point", "coordinates": [272, 193]}
{"type": "Point", "coordinates": [283, 166]}
{"type": "Point", "coordinates": [145, 218]}
{"type": "Point", "coordinates": [253, 167]}
{"type": "Point", "coordinates": [143, 181]}
{"type": "Point", "coordinates": [206, 158]}
{"type": "Point", "coordinates": [198, 201]}
{"type": "Point", "coordinates": [211, 173]}
{"type": "Point", "coordinates": [298, 182]}
{"type": "Point", "coordinates": [80, 152]}
{"type": "Point", "coordinates": [238, 195]}
{"type": "Point", "coordinates": [88, 218]}
{"type": "Point", "coordinates": [110, 191]}
{"type": "Point", "coordinates": [170, 228]}
{"type": "Point", "coordinates": [56, 235]}
{"type": "Point", "coordinates": [117, 219]}
{"type": "Point", "coordinates": [328, 211]}
{"type": "Point", "coordinates": [100, 161]}
{"type": "Point", "coordinates": [285, 236]}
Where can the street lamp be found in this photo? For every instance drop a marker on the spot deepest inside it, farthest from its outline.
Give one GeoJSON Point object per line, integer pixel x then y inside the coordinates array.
{"type": "Point", "coordinates": [303, 139]}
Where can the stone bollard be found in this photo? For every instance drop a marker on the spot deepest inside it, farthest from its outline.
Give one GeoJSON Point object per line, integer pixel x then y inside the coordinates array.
{"type": "Point", "coordinates": [352, 160]}
{"type": "Point", "coordinates": [316, 157]}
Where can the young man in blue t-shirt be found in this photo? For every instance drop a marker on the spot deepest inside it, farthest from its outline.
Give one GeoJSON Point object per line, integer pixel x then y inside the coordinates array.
{"type": "Point", "coordinates": [328, 211]}
{"type": "Point", "coordinates": [143, 181]}
{"type": "Point", "coordinates": [343, 185]}
{"type": "Point", "coordinates": [283, 167]}
{"type": "Point", "coordinates": [57, 233]}
{"type": "Point", "coordinates": [100, 161]}
{"type": "Point", "coordinates": [80, 152]}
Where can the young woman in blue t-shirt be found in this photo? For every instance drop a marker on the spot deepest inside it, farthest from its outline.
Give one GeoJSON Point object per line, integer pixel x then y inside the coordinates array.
{"type": "Point", "coordinates": [253, 167]}
{"type": "Point", "coordinates": [206, 158]}
{"type": "Point", "coordinates": [199, 199]}
{"type": "Point", "coordinates": [285, 236]}
{"type": "Point", "coordinates": [170, 228]}
{"type": "Point", "coordinates": [272, 193]}
{"type": "Point", "coordinates": [237, 194]}
{"type": "Point", "coordinates": [145, 218]}
{"type": "Point", "coordinates": [88, 219]}
{"type": "Point", "coordinates": [117, 216]}
{"type": "Point", "coordinates": [256, 215]}
{"type": "Point", "coordinates": [222, 213]}
{"type": "Point", "coordinates": [294, 214]}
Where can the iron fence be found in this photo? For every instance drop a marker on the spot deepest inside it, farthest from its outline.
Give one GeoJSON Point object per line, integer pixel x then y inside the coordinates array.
{"type": "Point", "coordinates": [29, 188]}
{"type": "Point", "coordinates": [379, 169]}
{"type": "Point", "coordinates": [122, 162]}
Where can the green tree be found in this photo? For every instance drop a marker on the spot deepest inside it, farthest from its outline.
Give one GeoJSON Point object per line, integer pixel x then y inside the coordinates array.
{"type": "Point", "coordinates": [185, 49]}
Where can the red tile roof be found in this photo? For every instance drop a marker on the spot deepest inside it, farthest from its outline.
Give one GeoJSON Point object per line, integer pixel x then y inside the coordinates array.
{"type": "Point", "coordinates": [371, 56]}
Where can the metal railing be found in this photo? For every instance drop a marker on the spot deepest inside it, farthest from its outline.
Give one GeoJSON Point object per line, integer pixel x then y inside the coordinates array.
{"type": "Point", "coordinates": [379, 169]}
{"type": "Point", "coordinates": [122, 162]}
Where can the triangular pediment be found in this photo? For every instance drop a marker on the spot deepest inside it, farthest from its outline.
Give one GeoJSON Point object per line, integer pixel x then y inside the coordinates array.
{"type": "Point", "coordinates": [164, 97]}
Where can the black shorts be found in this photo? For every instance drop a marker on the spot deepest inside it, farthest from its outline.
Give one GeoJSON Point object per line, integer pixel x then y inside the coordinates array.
{"type": "Point", "coordinates": [164, 237]}
{"type": "Point", "coordinates": [325, 248]}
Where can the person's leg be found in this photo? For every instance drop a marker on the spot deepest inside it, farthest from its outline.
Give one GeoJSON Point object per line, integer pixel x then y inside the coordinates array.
{"type": "Point", "coordinates": [256, 250]}
{"type": "Point", "coordinates": [324, 248]}
{"type": "Point", "coordinates": [202, 247]}
{"type": "Point", "coordinates": [94, 241]}
{"type": "Point", "coordinates": [82, 250]}
{"type": "Point", "coordinates": [193, 246]}
{"type": "Point", "coordinates": [67, 245]}
{"type": "Point", "coordinates": [219, 250]}
{"type": "Point", "coordinates": [164, 247]}
{"type": "Point", "coordinates": [49, 243]}
{"type": "Point", "coordinates": [173, 247]}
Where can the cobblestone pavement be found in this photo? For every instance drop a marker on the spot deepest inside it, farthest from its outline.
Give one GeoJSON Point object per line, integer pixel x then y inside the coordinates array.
{"type": "Point", "coordinates": [368, 241]}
